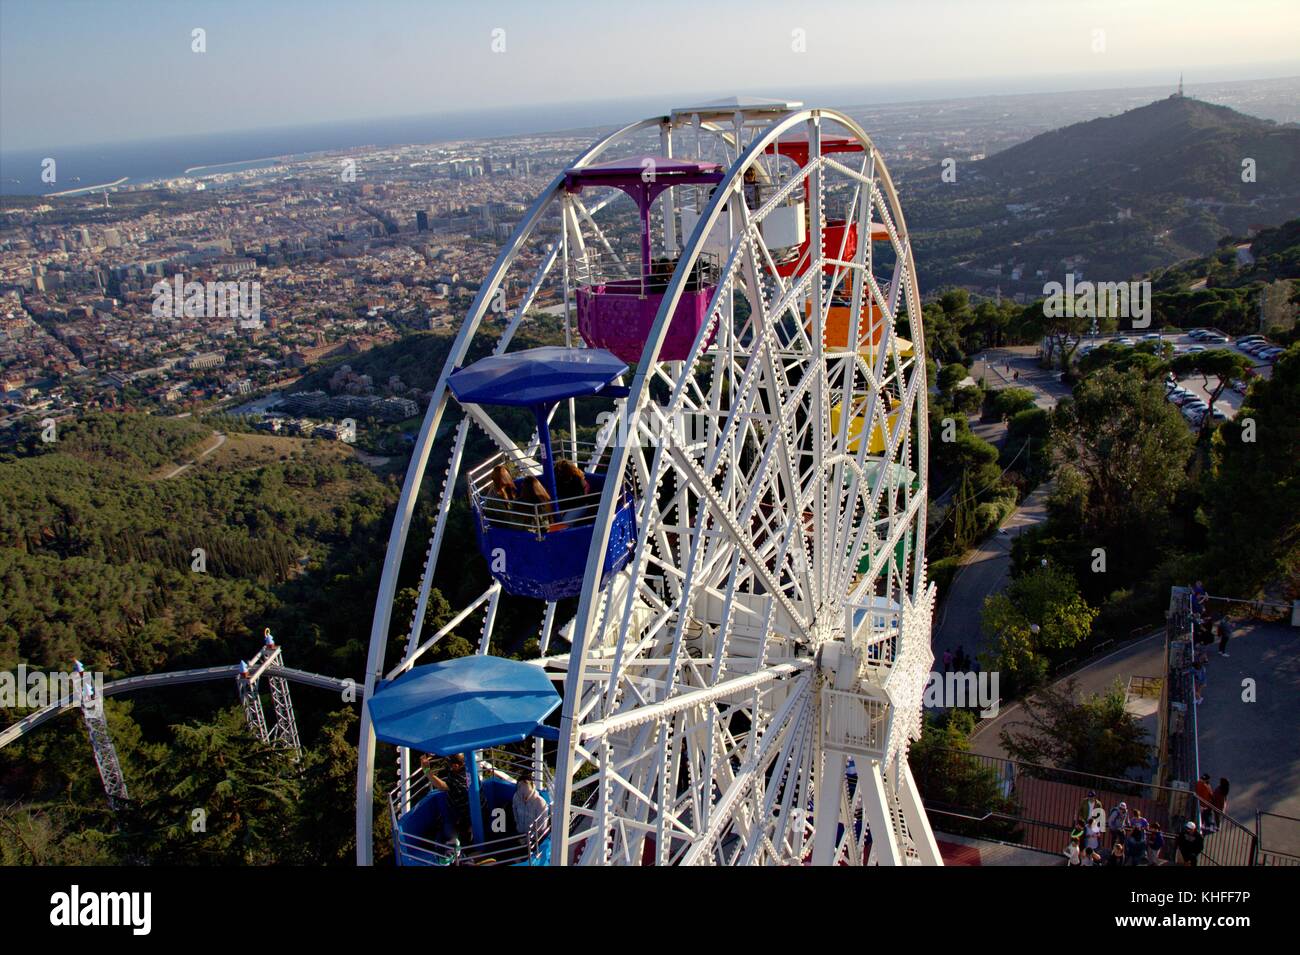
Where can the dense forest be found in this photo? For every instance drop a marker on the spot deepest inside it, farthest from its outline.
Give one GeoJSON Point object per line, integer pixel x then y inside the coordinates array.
{"type": "Point", "coordinates": [97, 563]}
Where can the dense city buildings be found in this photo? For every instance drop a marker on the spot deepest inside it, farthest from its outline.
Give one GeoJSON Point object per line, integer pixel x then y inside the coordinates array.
{"type": "Point", "coordinates": [195, 291]}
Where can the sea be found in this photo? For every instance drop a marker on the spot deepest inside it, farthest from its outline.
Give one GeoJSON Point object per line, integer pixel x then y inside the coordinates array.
{"type": "Point", "coordinates": [138, 161]}
{"type": "Point", "coordinates": [81, 167]}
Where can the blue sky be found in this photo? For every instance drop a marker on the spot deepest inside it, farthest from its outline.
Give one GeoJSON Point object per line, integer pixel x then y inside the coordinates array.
{"type": "Point", "coordinates": [86, 71]}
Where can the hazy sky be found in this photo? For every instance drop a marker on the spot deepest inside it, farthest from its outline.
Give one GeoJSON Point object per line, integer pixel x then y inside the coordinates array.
{"type": "Point", "coordinates": [88, 71]}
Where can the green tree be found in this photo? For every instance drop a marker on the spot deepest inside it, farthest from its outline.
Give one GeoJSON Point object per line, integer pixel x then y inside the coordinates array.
{"type": "Point", "coordinates": [221, 797]}
{"type": "Point", "coordinates": [1040, 615]}
{"type": "Point", "coordinates": [1009, 402]}
{"type": "Point", "coordinates": [1094, 735]}
{"type": "Point", "coordinates": [949, 376]}
{"type": "Point", "coordinates": [1130, 447]}
{"type": "Point", "coordinates": [948, 777]}
{"type": "Point", "coordinates": [963, 518]}
{"type": "Point", "coordinates": [1254, 490]}
{"type": "Point", "coordinates": [1219, 364]}
{"type": "Point", "coordinates": [326, 818]}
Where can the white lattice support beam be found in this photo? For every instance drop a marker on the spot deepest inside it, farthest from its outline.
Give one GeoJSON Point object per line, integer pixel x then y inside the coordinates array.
{"type": "Point", "coordinates": [918, 823]}
{"type": "Point", "coordinates": [101, 743]}
{"type": "Point", "coordinates": [875, 805]}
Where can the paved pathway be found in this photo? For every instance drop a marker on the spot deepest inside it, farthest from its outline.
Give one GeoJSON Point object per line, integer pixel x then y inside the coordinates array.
{"type": "Point", "coordinates": [985, 571]}
{"type": "Point", "coordinates": [1145, 657]}
{"type": "Point", "coordinates": [221, 439]}
{"type": "Point", "coordinates": [1255, 745]}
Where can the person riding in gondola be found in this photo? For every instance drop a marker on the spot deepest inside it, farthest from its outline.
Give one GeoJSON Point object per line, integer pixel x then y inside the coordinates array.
{"type": "Point", "coordinates": [533, 491]}
{"type": "Point", "coordinates": [571, 483]}
{"type": "Point", "coordinates": [503, 483]}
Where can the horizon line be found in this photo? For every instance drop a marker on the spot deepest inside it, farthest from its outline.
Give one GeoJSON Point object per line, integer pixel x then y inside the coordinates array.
{"type": "Point", "coordinates": [139, 140]}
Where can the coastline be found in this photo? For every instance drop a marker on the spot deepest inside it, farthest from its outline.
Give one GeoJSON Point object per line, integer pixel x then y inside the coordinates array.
{"type": "Point", "coordinates": [74, 192]}
{"type": "Point", "coordinates": [238, 162]}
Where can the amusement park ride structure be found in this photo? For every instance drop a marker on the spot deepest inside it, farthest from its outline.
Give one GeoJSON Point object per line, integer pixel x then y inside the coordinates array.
{"type": "Point", "coordinates": [718, 513]}
{"type": "Point", "coordinates": [247, 674]}
{"type": "Point", "coordinates": [738, 548]}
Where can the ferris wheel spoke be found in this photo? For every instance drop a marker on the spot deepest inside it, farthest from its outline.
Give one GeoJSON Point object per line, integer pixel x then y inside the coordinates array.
{"type": "Point", "coordinates": [742, 538]}
{"type": "Point", "coordinates": [750, 773]}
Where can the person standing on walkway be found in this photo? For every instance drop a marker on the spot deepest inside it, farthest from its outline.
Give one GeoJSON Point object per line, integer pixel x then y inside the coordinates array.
{"type": "Point", "coordinates": [1089, 806]}
{"type": "Point", "coordinates": [1155, 843]}
{"type": "Point", "coordinates": [1219, 800]}
{"type": "Point", "coordinates": [1190, 844]}
{"type": "Point", "coordinates": [1072, 852]}
{"type": "Point", "coordinates": [1117, 822]}
{"type": "Point", "coordinates": [1204, 793]}
{"type": "Point", "coordinates": [1135, 847]}
{"type": "Point", "coordinates": [1200, 599]}
{"type": "Point", "coordinates": [1224, 629]}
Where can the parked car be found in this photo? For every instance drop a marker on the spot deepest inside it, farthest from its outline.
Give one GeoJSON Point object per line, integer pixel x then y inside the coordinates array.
{"type": "Point", "coordinates": [1194, 349]}
{"type": "Point", "coordinates": [1125, 341]}
{"type": "Point", "coordinates": [1182, 398]}
{"type": "Point", "coordinates": [1239, 386]}
{"type": "Point", "coordinates": [1220, 413]}
{"type": "Point", "coordinates": [1196, 334]}
{"type": "Point", "coordinates": [1250, 339]}
{"type": "Point", "coordinates": [1193, 415]}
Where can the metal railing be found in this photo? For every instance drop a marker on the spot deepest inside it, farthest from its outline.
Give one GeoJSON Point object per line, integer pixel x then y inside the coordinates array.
{"type": "Point", "coordinates": [624, 273]}
{"type": "Point", "coordinates": [538, 518]}
{"type": "Point", "coordinates": [1277, 838]}
{"type": "Point", "coordinates": [516, 849]}
{"type": "Point", "coordinates": [513, 849]}
{"type": "Point", "coordinates": [854, 723]}
{"type": "Point", "coordinates": [1037, 806]}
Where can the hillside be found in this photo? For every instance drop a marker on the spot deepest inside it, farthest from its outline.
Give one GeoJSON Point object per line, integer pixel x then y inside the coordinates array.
{"type": "Point", "coordinates": [1111, 197]}
{"type": "Point", "coordinates": [1226, 289]}
{"type": "Point", "coordinates": [418, 357]}
{"type": "Point", "coordinates": [96, 553]}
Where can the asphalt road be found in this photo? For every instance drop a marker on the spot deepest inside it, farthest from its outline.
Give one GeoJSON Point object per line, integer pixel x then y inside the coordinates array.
{"type": "Point", "coordinates": [986, 569]}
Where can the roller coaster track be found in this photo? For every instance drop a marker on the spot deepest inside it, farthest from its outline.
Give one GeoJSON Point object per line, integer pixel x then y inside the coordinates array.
{"type": "Point", "coordinates": [176, 678]}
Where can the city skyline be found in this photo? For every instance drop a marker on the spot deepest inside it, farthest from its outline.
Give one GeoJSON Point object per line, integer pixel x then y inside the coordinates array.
{"type": "Point", "coordinates": [140, 76]}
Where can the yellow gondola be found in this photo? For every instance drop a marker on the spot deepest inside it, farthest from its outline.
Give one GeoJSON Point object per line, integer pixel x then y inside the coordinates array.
{"type": "Point", "coordinates": [876, 443]}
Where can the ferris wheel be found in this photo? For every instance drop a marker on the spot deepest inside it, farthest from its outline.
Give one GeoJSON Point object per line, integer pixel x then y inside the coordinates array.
{"type": "Point", "coordinates": [715, 498]}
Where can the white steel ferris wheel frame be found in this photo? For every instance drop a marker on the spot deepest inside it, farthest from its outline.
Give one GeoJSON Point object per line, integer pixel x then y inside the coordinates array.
{"type": "Point", "coordinates": [703, 764]}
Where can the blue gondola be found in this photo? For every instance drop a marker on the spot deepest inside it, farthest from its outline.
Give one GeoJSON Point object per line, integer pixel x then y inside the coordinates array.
{"type": "Point", "coordinates": [465, 706]}
{"type": "Point", "coordinates": [540, 550]}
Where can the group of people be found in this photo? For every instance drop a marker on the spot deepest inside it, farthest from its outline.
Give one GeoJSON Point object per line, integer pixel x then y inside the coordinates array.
{"type": "Point", "coordinates": [1214, 802]}
{"type": "Point", "coordinates": [527, 804]}
{"type": "Point", "coordinates": [661, 272]}
{"type": "Point", "coordinates": [1206, 630]}
{"type": "Point", "coordinates": [1125, 837]}
{"type": "Point", "coordinates": [959, 662]}
{"type": "Point", "coordinates": [570, 482]}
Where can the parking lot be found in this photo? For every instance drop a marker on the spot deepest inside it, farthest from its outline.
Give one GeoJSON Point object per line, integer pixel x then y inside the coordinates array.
{"type": "Point", "coordinates": [1191, 388]}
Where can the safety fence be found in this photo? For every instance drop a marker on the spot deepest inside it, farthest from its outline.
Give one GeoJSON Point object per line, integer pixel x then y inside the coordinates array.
{"type": "Point", "coordinates": [1038, 806]}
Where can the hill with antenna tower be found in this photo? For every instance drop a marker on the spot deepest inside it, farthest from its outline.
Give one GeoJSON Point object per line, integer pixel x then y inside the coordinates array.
{"type": "Point", "coordinates": [1111, 197]}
